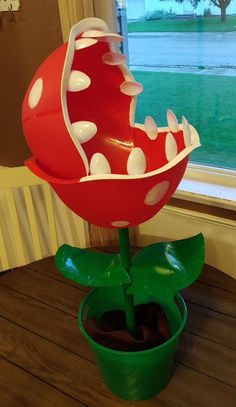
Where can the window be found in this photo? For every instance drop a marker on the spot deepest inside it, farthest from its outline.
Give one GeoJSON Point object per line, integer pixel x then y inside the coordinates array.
{"type": "Point", "coordinates": [186, 59]}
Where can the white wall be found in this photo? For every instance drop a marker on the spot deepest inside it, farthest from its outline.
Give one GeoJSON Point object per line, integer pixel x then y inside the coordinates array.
{"type": "Point", "coordinates": [174, 223]}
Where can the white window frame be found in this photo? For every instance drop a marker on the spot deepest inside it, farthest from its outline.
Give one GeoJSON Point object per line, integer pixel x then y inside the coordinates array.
{"type": "Point", "coordinates": [209, 186]}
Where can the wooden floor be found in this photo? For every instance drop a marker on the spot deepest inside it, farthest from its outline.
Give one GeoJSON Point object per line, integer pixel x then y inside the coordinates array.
{"type": "Point", "coordinates": [45, 362]}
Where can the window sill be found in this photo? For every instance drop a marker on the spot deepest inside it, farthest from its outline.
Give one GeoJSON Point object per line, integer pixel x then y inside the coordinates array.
{"type": "Point", "coordinates": [209, 186]}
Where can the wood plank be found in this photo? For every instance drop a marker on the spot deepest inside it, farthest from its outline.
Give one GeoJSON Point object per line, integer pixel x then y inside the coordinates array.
{"type": "Point", "coordinates": [37, 302]}
{"type": "Point", "coordinates": [55, 293]}
{"type": "Point", "coordinates": [207, 357]}
{"type": "Point", "coordinates": [198, 390]}
{"type": "Point", "coordinates": [48, 322]}
{"type": "Point", "coordinates": [19, 388]}
{"type": "Point", "coordinates": [47, 266]}
{"type": "Point", "coordinates": [73, 375]}
{"type": "Point", "coordinates": [201, 321]}
{"type": "Point", "coordinates": [65, 371]}
{"type": "Point", "coordinates": [212, 298]}
{"type": "Point", "coordinates": [216, 327]}
{"type": "Point", "coordinates": [33, 305]}
{"type": "Point", "coordinates": [67, 298]}
{"type": "Point", "coordinates": [218, 279]}
{"type": "Point", "coordinates": [22, 347]}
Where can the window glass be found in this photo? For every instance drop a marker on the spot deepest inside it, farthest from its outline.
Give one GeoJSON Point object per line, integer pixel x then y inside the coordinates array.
{"type": "Point", "coordinates": [184, 53]}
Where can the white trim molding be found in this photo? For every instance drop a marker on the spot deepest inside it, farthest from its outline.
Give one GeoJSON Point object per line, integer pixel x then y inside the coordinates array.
{"type": "Point", "coordinates": [174, 223]}
{"type": "Point", "coordinates": [209, 186]}
{"type": "Point", "coordinates": [33, 220]}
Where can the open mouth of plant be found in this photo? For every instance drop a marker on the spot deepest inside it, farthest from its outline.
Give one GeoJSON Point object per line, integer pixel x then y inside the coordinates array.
{"type": "Point", "coordinates": [99, 96]}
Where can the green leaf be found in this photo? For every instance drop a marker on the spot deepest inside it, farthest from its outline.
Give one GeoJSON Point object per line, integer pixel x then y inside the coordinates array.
{"type": "Point", "coordinates": [89, 268]}
{"type": "Point", "coordinates": [165, 268]}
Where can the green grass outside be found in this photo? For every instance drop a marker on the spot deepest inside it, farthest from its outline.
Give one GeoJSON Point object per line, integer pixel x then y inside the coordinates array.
{"type": "Point", "coordinates": [207, 101]}
{"type": "Point", "coordinates": [202, 24]}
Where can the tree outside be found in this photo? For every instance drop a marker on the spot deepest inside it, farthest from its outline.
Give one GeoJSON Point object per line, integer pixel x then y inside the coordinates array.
{"type": "Point", "coordinates": [221, 4]}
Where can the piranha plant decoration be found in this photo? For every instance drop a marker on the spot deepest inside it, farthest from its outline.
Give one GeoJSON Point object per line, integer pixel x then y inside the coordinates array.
{"type": "Point", "coordinates": [78, 119]}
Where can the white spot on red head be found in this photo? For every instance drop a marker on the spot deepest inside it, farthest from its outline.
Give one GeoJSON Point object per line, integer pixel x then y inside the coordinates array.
{"type": "Point", "coordinates": [120, 223]}
{"type": "Point", "coordinates": [155, 194]}
{"type": "Point", "coordinates": [35, 93]}
{"type": "Point", "coordinates": [78, 81]}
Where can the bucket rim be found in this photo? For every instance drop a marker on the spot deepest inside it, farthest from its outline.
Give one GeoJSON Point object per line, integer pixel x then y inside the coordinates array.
{"type": "Point", "coordinates": [93, 343]}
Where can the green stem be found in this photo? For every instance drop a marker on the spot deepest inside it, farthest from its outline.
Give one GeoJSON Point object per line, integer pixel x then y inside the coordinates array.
{"type": "Point", "coordinates": [124, 248]}
{"type": "Point", "coordinates": [125, 260]}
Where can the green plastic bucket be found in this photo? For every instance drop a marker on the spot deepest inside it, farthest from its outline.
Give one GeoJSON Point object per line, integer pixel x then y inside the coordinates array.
{"type": "Point", "coordinates": [133, 375]}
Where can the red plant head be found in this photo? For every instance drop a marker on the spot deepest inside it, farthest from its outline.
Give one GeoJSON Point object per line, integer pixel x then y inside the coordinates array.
{"type": "Point", "coordinates": [78, 118]}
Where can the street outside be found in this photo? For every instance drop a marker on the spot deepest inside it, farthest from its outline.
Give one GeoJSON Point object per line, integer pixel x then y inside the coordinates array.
{"type": "Point", "coordinates": [195, 52]}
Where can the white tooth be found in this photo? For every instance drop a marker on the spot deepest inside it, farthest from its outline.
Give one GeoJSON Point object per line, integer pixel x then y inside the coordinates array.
{"type": "Point", "coordinates": [194, 135]}
{"type": "Point", "coordinates": [84, 43]}
{"type": "Point", "coordinates": [151, 128]}
{"type": "Point", "coordinates": [99, 165]}
{"type": "Point", "coordinates": [113, 58]}
{"type": "Point", "coordinates": [136, 163]}
{"type": "Point", "coordinates": [92, 33]}
{"type": "Point", "coordinates": [101, 36]}
{"type": "Point", "coordinates": [78, 81]}
{"type": "Point", "coordinates": [172, 121]}
{"type": "Point", "coordinates": [84, 130]}
{"type": "Point", "coordinates": [110, 37]}
{"type": "Point", "coordinates": [131, 88]}
{"type": "Point", "coordinates": [186, 132]}
{"type": "Point", "coordinates": [170, 147]}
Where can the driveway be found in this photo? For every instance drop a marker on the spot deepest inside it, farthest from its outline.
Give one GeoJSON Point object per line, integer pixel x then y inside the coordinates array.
{"type": "Point", "coordinates": [214, 52]}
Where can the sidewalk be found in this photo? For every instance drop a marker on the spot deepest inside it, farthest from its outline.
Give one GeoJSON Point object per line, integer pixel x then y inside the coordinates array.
{"type": "Point", "coordinates": [186, 69]}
